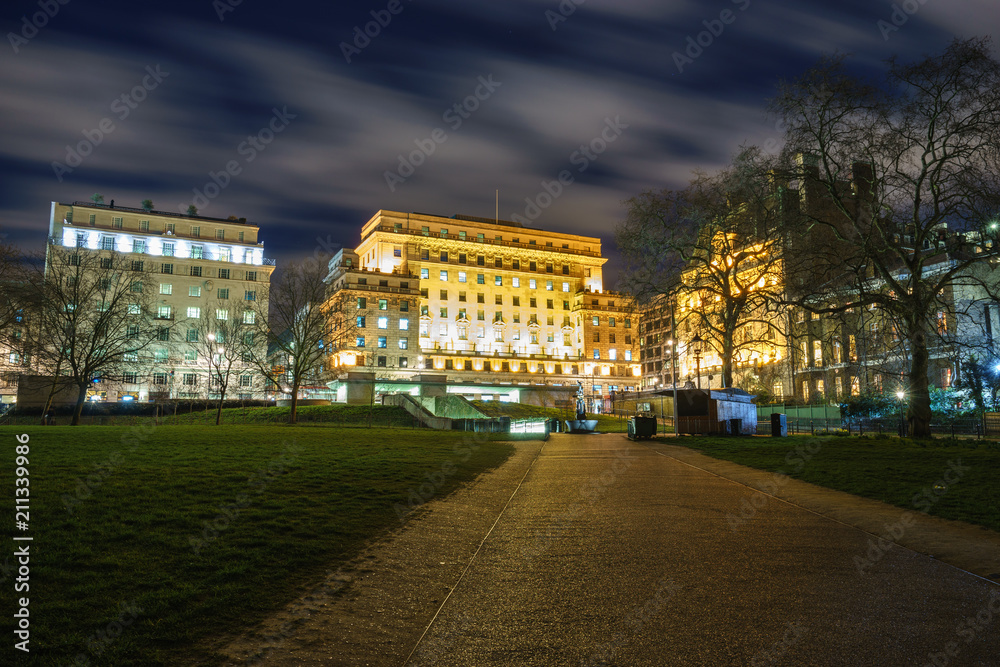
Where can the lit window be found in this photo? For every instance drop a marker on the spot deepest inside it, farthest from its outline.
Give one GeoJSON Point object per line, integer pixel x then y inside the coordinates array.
{"type": "Point", "coordinates": [565, 287]}
{"type": "Point", "coordinates": [194, 312]}
{"type": "Point", "coordinates": [425, 273]}
{"type": "Point", "coordinates": [516, 282]}
{"type": "Point", "coordinates": [221, 314]}
{"type": "Point", "coordinates": [628, 355]}
{"type": "Point", "coordinates": [532, 283]}
{"type": "Point", "coordinates": [383, 342]}
{"type": "Point", "coordinates": [597, 321]}
{"type": "Point", "coordinates": [194, 290]}
{"type": "Point", "coordinates": [361, 321]}
{"type": "Point", "coordinates": [249, 317]}
{"type": "Point", "coordinates": [548, 285]}
{"type": "Point", "coordinates": [498, 280]}
{"type": "Point", "coordinates": [383, 323]}
{"type": "Point", "coordinates": [404, 324]}
{"type": "Point", "coordinates": [597, 354]}
{"type": "Point", "coordinates": [612, 354]}
{"type": "Point", "coordinates": [360, 341]}
{"type": "Point", "coordinates": [444, 276]}
{"type": "Point", "coordinates": [461, 276]}
{"type": "Point", "coordinates": [403, 343]}
{"type": "Point", "coordinates": [383, 304]}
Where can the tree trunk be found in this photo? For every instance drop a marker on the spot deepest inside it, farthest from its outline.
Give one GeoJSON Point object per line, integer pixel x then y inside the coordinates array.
{"type": "Point", "coordinates": [293, 416]}
{"type": "Point", "coordinates": [918, 414]}
{"type": "Point", "coordinates": [218, 410]}
{"type": "Point", "coordinates": [727, 360]}
{"type": "Point", "coordinates": [52, 391]}
{"type": "Point", "coordinates": [78, 410]}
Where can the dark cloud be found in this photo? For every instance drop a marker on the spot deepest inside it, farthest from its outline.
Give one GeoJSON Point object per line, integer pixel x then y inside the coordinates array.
{"type": "Point", "coordinates": [563, 76]}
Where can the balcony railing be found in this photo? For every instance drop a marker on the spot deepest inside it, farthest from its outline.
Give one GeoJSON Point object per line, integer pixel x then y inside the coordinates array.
{"type": "Point", "coordinates": [206, 255]}
{"type": "Point", "coordinates": [484, 241]}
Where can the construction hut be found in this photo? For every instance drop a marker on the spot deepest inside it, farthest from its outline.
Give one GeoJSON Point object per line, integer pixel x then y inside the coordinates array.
{"type": "Point", "coordinates": [720, 411]}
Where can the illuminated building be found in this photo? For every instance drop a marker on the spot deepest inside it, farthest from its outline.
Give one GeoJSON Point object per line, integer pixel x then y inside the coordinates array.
{"type": "Point", "coordinates": [501, 310]}
{"type": "Point", "coordinates": [199, 263]}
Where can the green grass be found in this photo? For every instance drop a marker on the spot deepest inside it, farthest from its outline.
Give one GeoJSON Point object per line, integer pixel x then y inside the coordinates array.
{"type": "Point", "coordinates": [308, 499]}
{"type": "Point", "coordinates": [887, 469]}
{"type": "Point", "coordinates": [605, 423]}
{"type": "Point", "coordinates": [340, 414]}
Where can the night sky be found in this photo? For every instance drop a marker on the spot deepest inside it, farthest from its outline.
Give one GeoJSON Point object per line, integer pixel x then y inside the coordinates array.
{"type": "Point", "coordinates": [309, 116]}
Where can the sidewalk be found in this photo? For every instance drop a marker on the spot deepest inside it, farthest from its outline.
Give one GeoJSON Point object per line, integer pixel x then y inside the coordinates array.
{"type": "Point", "coordinates": [613, 552]}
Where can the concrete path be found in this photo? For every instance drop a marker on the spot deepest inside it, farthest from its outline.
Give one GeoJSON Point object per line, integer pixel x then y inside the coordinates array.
{"type": "Point", "coordinates": [592, 550]}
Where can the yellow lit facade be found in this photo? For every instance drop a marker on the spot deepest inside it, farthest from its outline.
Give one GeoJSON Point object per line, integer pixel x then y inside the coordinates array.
{"type": "Point", "coordinates": [497, 302]}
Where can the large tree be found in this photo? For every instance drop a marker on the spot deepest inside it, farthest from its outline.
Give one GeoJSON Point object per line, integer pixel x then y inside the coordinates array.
{"type": "Point", "coordinates": [899, 184]}
{"type": "Point", "coordinates": [226, 341]}
{"type": "Point", "coordinates": [90, 316]}
{"type": "Point", "coordinates": [714, 250]}
{"type": "Point", "coordinates": [293, 317]}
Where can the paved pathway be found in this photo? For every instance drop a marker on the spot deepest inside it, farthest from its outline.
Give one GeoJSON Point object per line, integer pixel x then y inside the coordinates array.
{"type": "Point", "coordinates": [592, 550]}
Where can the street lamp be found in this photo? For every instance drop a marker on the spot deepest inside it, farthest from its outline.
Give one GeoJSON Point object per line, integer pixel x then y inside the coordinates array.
{"type": "Point", "coordinates": [696, 344]}
{"type": "Point", "coordinates": [902, 429]}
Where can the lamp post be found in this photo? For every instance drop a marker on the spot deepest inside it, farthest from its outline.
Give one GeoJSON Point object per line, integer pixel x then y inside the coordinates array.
{"type": "Point", "coordinates": [902, 427]}
{"type": "Point", "coordinates": [696, 344]}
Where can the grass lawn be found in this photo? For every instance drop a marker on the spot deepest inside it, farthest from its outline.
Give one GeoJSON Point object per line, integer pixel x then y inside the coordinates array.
{"type": "Point", "coordinates": [205, 530]}
{"type": "Point", "coordinates": [888, 469]}
{"type": "Point", "coordinates": [340, 414]}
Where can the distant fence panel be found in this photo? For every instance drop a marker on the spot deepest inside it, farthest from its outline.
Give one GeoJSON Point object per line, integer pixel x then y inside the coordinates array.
{"type": "Point", "coordinates": [823, 411]}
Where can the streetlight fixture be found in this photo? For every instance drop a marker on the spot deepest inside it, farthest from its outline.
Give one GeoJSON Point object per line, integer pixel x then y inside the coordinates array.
{"type": "Point", "coordinates": [696, 344]}
{"type": "Point", "coordinates": [902, 427]}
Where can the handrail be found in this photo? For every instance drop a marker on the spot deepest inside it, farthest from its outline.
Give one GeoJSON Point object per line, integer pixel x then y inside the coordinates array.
{"type": "Point", "coordinates": [456, 237]}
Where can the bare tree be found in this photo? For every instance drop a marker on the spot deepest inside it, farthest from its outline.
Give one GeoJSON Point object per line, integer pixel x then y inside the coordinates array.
{"type": "Point", "coordinates": [899, 187]}
{"type": "Point", "coordinates": [90, 316]}
{"type": "Point", "coordinates": [715, 250]}
{"type": "Point", "coordinates": [227, 340]}
{"type": "Point", "coordinates": [298, 329]}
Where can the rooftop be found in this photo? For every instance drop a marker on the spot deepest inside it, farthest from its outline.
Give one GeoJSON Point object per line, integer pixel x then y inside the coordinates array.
{"type": "Point", "coordinates": [166, 214]}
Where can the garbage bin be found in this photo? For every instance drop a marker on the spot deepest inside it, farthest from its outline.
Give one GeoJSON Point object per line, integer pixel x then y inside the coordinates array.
{"type": "Point", "coordinates": [779, 425]}
{"type": "Point", "coordinates": [641, 427]}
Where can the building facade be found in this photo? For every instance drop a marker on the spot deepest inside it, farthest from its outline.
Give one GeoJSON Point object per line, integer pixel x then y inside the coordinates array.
{"type": "Point", "coordinates": [204, 269]}
{"type": "Point", "coordinates": [496, 307]}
